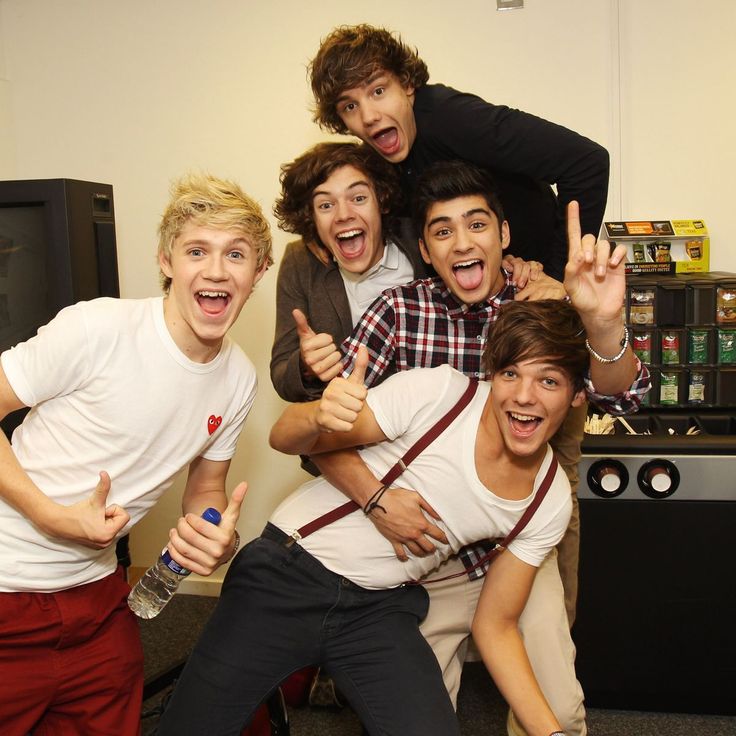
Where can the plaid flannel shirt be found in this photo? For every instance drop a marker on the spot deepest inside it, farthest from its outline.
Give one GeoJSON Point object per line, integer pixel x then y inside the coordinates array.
{"type": "Point", "coordinates": [422, 325]}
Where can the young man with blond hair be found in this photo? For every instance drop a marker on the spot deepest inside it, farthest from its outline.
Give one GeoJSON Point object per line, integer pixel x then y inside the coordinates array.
{"type": "Point", "coordinates": [124, 394]}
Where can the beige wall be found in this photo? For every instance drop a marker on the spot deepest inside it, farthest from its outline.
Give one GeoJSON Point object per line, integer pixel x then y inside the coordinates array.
{"type": "Point", "coordinates": [133, 93]}
{"type": "Point", "coordinates": [678, 104]}
{"type": "Point", "coordinates": [7, 129]}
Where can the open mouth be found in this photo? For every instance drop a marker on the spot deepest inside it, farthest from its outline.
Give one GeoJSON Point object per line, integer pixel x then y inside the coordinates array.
{"type": "Point", "coordinates": [213, 303]}
{"type": "Point", "coordinates": [523, 425]}
{"type": "Point", "coordinates": [387, 140]}
{"type": "Point", "coordinates": [469, 274]}
{"type": "Point", "coordinates": [351, 242]}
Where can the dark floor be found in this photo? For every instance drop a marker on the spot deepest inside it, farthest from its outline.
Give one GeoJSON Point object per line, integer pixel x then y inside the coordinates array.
{"type": "Point", "coordinates": [481, 710]}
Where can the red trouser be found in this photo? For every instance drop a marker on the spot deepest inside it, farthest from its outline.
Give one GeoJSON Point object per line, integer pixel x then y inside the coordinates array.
{"type": "Point", "coordinates": [71, 662]}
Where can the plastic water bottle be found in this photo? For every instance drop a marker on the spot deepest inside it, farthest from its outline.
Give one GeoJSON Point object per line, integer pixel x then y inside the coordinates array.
{"type": "Point", "coordinates": [156, 588]}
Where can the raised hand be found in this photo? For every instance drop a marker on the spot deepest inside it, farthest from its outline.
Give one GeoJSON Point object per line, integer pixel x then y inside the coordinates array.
{"type": "Point", "coordinates": [595, 277]}
{"type": "Point", "coordinates": [343, 398]}
{"type": "Point", "coordinates": [201, 546]}
{"type": "Point", "coordinates": [319, 354]}
{"type": "Point", "coordinates": [91, 522]}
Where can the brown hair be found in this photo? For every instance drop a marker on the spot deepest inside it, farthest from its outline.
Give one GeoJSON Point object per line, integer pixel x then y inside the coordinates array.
{"type": "Point", "coordinates": [348, 57]}
{"type": "Point", "coordinates": [302, 176]}
{"type": "Point", "coordinates": [547, 328]}
{"type": "Point", "coordinates": [209, 201]}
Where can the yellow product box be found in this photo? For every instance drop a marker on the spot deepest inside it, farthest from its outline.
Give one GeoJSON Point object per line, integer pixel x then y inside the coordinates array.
{"type": "Point", "coordinates": [661, 246]}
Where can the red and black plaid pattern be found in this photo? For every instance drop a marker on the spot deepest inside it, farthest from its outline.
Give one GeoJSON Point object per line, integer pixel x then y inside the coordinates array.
{"type": "Point", "coordinates": [422, 325]}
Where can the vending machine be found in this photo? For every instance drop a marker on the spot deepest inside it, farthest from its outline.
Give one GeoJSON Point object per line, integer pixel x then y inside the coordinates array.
{"type": "Point", "coordinates": [657, 604]}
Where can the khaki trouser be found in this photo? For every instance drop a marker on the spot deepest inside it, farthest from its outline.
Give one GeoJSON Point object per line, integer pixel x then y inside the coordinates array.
{"type": "Point", "coordinates": [543, 626]}
{"type": "Point", "coordinates": [566, 444]}
{"type": "Point", "coordinates": [548, 615]}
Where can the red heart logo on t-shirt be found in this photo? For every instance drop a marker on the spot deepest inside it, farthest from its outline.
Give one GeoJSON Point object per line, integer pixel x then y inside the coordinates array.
{"type": "Point", "coordinates": [213, 423]}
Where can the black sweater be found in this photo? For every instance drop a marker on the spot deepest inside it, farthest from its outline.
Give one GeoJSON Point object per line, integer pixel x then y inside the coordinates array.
{"type": "Point", "coordinates": [525, 155]}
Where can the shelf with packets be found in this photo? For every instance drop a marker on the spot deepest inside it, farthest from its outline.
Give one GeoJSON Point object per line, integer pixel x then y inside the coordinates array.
{"type": "Point", "coordinates": [684, 328]}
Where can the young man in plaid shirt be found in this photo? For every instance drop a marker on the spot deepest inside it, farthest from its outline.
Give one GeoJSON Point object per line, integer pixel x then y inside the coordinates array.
{"type": "Point", "coordinates": [441, 320]}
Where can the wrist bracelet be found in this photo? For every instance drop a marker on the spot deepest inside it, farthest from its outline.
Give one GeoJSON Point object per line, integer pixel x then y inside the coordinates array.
{"type": "Point", "coordinates": [237, 543]}
{"type": "Point", "coordinates": [557, 733]}
{"type": "Point", "coordinates": [373, 501]}
{"type": "Point", "coordinates": [624, 344]}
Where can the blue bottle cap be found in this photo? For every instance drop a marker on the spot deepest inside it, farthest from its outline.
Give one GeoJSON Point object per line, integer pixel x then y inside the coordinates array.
{"type": "Point", "coordinates": [212, 515]}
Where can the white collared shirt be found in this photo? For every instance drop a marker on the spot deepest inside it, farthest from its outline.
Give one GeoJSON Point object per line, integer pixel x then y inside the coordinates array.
{"type": "Point", "coordinates": [394, 269]}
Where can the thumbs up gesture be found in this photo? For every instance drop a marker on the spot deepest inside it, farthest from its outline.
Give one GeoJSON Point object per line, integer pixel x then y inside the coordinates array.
{"type": "Point", "coordinates": [202, 547]}
{"type": "Point", "coordinates": [319, 355]}
{"type": "Point", "coordinates": [92, 522]}
{"type": "Point", "coordinates": [343, 399]}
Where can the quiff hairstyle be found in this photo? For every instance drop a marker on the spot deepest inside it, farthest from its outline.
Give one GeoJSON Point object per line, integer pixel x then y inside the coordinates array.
{"type": "Point", "coordinates": [294, 209]}
{"type": "Point", "coordinates": [348, 57]}
{"type": "Point", "coordinates": [446, 180]}
{"type": "Point", "coordinates": [208, 201]}
{"type": "Point", "coordinates": [548, 329]}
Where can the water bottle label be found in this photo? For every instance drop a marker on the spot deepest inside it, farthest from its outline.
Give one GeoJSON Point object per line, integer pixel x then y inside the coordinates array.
{"type": "Point", "coordinates": [172, 564]}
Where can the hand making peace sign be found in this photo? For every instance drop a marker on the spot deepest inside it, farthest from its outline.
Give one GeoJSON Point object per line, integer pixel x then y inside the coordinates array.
{"type": "Point", "coordinates": [594, 275]}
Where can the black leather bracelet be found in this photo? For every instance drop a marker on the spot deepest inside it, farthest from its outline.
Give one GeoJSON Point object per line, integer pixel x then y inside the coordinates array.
{"type": "Point", "coordinates": [372, 503]}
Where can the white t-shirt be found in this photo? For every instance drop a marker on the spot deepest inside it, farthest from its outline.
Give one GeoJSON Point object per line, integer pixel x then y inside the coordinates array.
{"type": "Point", "coordinates": [110, 390]}
{"type": "Point", "coordinates": [405, 406]}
